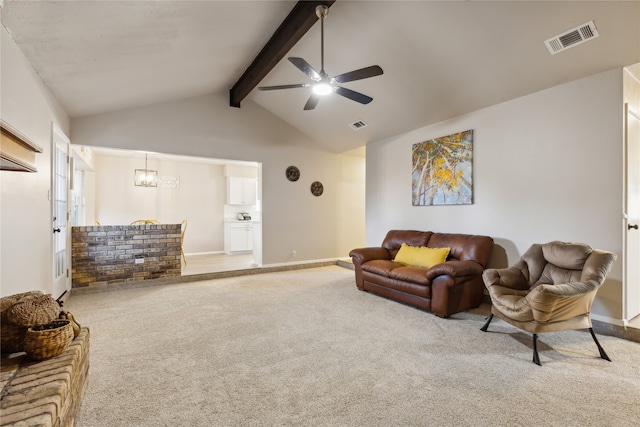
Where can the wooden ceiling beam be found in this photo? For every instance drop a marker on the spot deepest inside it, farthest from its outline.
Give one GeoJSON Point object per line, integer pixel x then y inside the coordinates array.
{"type": "Point", "coordinates": [296, 24]}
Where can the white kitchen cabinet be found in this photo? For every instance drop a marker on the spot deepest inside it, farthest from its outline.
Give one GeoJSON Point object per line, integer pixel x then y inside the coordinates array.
{"type": "Point", "coordinates": [238, 237]}
{"type": "Point", "coordinates": [241, 191]}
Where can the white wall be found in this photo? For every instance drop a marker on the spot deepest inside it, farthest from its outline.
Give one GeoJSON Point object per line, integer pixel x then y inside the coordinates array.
{"type": "Point", "coordinates": [25, 210]}
{"type": "Point", "coordinates": [546, 167]}
{"type": "Point", "coordinates": [631, 93]}
{"type": "Point", "coordinates": [322, 227]}
{"type": "Point", "coordinates": [200, 198]}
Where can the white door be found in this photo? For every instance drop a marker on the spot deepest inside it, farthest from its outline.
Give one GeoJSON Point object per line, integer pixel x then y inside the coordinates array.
{"type": "Point", "coordinates": [60, 211]}
{"type": "Point", "coordinates": [632, 227]}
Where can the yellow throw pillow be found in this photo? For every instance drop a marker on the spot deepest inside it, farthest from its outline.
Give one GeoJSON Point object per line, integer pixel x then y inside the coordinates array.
{"type": "Point", "coordinates": [432, 256]}
{"type": "Point", "coordinates": [421, 256]}
{"type": "Point", "coordinates": [407, 255]}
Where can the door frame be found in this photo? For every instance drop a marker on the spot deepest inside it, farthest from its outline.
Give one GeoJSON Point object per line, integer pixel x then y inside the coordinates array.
{"type": "Point", "coordinates": [630, 296]}
{"type": "Point", "coordinates": [58, 138]}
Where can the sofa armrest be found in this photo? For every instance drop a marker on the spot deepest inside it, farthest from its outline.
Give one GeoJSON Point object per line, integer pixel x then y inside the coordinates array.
{"type": "Point", "coordinates": [511, 278]}
{"type": "Point", "coordinates": [455, 286]}
{"type": "Point", "coordinates": [562, 302]}
{"type": "Point", "coordinates": [362, 255]}
{"type": "Point", "coordinates": [569, 289]}
{"type": "Point", "coordinates": [454, 269]}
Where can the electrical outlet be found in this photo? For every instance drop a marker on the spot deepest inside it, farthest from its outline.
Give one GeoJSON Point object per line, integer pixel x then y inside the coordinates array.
{"type": "Point", "coordinates": [139, 259]}
{"type": "Point", "coordinates": [294, 253]}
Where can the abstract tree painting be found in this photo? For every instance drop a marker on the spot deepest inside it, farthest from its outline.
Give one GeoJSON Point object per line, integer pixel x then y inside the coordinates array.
{"type": "Point", "coordinates": [442, 170]}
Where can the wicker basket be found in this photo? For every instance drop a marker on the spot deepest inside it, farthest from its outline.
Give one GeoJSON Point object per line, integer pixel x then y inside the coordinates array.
{"type": "Point", "coordinates": [34, 310]}
{"type": "Point", "coordinates": [46, 341]}
{"type": "Point", "coordinates": [7, 302]}
{"type": "Point", "coordinates": [12, 337]}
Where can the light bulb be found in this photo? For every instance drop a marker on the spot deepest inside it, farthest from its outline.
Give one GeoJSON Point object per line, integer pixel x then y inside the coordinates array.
{"type": "Point", "coordinates": [322, 88]}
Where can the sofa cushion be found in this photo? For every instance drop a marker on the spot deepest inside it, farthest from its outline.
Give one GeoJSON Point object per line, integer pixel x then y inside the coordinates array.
{"type": "Point", "coordinates": [382, 267]}
{"type": "Point", "coordinates": [421, 256]}
{"type": "Point", "coordinates": [410, 274]}
{"type": "Point", "coordinates": [395, 238]}
{"type": "Point", "coordinates": [464, 247]}
{"type": "Point", "coordinates": [405, 286]}
{"type": "Point", "coordinates": [570, 256]}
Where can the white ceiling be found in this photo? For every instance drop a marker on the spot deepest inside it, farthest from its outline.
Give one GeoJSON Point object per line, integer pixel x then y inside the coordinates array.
{"type": "Point", "coordinates": [440, 59]}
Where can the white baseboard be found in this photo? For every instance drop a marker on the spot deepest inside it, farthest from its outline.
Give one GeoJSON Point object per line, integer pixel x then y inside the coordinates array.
{"type": "Point", "coordinates": [607, 319]}
{"type": "Point", "coordinates": [204, 253]}
{"type": "Point", "coordinates": [308, 261]}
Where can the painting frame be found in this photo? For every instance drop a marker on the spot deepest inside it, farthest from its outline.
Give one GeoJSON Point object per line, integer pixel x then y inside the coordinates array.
{"type": "Point", "coordinates": [442, 170]}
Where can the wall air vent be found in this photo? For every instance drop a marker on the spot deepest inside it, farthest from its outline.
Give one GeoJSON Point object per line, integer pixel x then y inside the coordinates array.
{"type": "Point", "coordinates": [358, 125]}
{"type": "Point", "coordinates": [571, 38]}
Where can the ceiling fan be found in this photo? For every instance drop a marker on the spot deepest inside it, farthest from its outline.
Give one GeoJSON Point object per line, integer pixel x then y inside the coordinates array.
{"type": "Point", "coordinates": [322, 84]}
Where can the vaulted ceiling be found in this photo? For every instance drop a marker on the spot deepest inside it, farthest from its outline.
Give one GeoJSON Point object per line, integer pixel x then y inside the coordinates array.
{"type": "Point", "coordinates": [440, 59]}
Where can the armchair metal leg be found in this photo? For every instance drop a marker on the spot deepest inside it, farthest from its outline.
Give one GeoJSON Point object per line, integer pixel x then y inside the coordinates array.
{"type": "Point", "coordinates": [600, 349]}
{"type": "Point", "coordinates": [486, 325]}
{"type": "Point", "coordinates": [536, 358]}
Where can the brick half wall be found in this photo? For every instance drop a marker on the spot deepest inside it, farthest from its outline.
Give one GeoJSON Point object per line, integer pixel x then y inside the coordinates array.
{"type": "Point", "coordinates": [106, 254]}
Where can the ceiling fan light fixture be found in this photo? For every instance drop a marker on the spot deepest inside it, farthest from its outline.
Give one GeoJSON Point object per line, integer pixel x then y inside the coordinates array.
{"type": "Point", "coordinates": [322, 88]}
{"type": "Point", "coordinates": [324, 85]}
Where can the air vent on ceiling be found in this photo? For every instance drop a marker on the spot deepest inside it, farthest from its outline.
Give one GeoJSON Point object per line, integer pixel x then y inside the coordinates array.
{"type": "Point", "coordinates": [571, 38]}
{"type": "Point", "coordinates": [358, 125]}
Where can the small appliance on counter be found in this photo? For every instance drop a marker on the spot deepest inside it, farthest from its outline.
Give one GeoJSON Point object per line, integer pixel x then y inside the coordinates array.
{"type": "Point", "coordinates": [244, 216]}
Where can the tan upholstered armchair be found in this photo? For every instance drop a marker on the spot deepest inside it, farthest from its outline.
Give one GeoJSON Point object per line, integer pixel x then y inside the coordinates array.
{"type": "Point", "coordinates": [551, 288]}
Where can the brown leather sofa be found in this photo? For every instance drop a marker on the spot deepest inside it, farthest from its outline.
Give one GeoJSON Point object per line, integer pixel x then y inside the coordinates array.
{"type": "Point", "coordinates": [444, 289]}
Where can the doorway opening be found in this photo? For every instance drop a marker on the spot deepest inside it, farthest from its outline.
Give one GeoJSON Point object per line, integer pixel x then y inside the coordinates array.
{"type": "Point", "coordinates": [192, 191]}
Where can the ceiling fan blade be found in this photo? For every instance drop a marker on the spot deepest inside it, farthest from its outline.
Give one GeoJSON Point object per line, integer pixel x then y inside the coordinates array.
{"type": "Point", "coordinates": [362, 73]}
{"type": "Point", "coordinates": [283, 86]}
{"type": "Point", "coordinates": [353, 95]}
{"type": "Point", "coordinates": [312, 102]}
{"type": "Point", "coordinates": [304, 66]}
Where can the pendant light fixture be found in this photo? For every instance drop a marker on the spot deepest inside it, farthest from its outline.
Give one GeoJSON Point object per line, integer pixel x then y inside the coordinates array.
{"type": "Point", "coordinates": [146, 177]}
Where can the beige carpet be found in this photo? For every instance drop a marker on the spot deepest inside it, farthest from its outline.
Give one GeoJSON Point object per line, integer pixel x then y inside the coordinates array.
{"type": "Point", "coordinates": [306, 348]}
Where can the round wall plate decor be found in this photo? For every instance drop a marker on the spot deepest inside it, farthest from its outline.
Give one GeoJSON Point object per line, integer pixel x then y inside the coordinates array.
{"type": "Point", "coordinates": [317, 188]}
{"type": "Point", "coordinates": [293, 173]}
